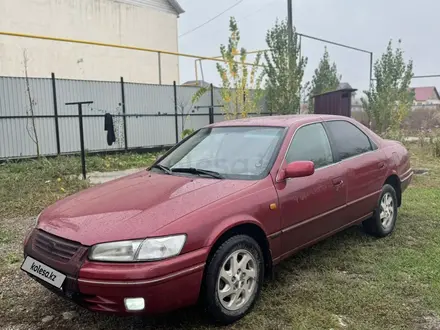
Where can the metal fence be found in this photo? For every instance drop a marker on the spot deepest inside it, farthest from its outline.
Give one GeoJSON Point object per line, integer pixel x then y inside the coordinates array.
{"type": "Point", "coordinates": [145, 116]}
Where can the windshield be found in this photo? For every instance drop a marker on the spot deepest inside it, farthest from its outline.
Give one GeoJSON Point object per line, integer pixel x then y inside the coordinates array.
{"type": "Point", "coordinates": [233, 152]}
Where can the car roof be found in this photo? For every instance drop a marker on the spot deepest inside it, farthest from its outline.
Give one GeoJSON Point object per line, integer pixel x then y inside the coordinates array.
{"type": "Point", "coordinates": [277, 121]}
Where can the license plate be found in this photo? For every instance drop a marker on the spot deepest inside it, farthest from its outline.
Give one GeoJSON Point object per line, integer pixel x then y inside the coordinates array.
{"type": "Point", "coordinates": [44, 272]}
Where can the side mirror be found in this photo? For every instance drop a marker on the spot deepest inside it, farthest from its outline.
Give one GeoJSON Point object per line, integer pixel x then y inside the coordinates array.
{"type": "Point", "coordinates": [298, 169]}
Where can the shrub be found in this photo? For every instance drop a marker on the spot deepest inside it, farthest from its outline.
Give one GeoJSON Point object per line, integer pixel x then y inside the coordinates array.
{"type": "Point", "coordinates": [394, 134]}
{"type": "Point", "coordinates": [435, 143]}
{"type": "Point", "coordinates": [187, 132]}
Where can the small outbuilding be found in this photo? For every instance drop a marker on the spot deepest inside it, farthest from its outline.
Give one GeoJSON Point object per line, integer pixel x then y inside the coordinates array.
{"type": "Point", "coordinates": [336, 102]}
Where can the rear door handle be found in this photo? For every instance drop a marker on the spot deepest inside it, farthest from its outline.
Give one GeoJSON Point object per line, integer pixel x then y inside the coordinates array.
{"type": "Point", "coordinates": [338, 182]}
{"type": "Point", "coordinates": [381, 165]}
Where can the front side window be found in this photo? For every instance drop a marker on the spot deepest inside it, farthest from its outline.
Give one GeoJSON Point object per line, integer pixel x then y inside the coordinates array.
{"type": "Point", "coordinates": [245, 152]}
{"type": "Point", "coordinates": [349, 140]}
{"type": "Point", "coordinates": [311, 143]}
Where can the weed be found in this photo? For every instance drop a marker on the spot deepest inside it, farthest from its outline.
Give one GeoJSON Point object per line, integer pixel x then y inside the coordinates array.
{"type": "Point", "coordinates": [5, 236]}
{"type": "Point", "coordinates": [12, 258]}
{"type": "Point", "coordinates": [397, 135]}
{"type": "Point", "coordinates": [435, 143]}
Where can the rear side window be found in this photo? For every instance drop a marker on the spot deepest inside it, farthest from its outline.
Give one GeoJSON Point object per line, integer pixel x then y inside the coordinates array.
{"type": "Point", "coordinates": [348, 140]}
{"type": "Point", "coordinates": [310, 143]}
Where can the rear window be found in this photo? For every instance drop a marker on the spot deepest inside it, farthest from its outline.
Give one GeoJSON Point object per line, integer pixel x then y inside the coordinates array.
{"type": "Point", "coordinates": [349, 141]}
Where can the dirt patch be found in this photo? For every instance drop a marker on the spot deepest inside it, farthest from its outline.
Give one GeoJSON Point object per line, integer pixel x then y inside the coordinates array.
{"type": "Point", "coordinates": [421, 171]}
{"type": "Point", "coordinates": [430, 322]}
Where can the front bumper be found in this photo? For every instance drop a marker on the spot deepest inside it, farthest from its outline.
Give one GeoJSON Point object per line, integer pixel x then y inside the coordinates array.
{"type": "Point", "coordinates": [102, 287]}
{"type": "Point", "coordinates": [164, 285]}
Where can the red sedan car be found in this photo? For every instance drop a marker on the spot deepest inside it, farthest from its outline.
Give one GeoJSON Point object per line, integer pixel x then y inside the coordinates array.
{"type": "Point", "coordinates": [214, 214]}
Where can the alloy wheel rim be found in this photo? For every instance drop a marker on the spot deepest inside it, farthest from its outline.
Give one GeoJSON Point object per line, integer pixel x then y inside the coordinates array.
{"type": "Point", "coordinates": [237, 280]}
{"type": "Point", "coordinates": [387, 210]}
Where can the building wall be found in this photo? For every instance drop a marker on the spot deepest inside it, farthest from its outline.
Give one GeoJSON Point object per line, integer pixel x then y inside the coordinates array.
{"type": "Point", "coordinates": [433, 101]}
{"type": "Point", "coordinates": [434, 97]}
{"type": "Point", "coordinates": [106, 21]}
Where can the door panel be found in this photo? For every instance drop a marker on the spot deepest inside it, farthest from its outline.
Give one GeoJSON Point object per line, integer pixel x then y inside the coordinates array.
{"type": "Point", "coordinates": [365, 178]}
{"type": "Point", "coordinates": [365, 166]}
{"type": "Point", "coordinates": [312, 206]}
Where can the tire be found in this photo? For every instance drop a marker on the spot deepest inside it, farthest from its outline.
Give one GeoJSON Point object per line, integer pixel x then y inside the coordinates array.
{"type": "Point", "coordinates": [245, 285]}
{"type": "Point", "coordinates": [382, 224]}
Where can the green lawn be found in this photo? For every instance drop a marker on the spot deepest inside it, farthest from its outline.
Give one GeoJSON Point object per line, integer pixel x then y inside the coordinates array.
{"type": "Point", "coordinates": [349, 281]}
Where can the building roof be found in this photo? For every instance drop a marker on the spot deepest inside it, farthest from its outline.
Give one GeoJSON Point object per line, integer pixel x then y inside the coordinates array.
{"type": "Point", "coordinates": [200, 83]}
{"type": "Point", "coordinates": [166, 5]}
{"type": "Point", "coordinates": [342, 87]}
{"type": "Point", "coordinates": [176, 6]}
{"type": "Point", "coordinates": [425, 93]}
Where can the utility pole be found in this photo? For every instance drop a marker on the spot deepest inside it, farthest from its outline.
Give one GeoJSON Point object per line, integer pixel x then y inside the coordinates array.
{"type": "Point", "coordinates": [290, 44]}
{"type": "Point", "coordinates": [290, 20]}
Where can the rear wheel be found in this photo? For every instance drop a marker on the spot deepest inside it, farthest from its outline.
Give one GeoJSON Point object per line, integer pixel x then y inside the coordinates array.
{"type": "Point", "coordinates": [383, 221]}
{"type": "Point", "coordinates": [233, 279]}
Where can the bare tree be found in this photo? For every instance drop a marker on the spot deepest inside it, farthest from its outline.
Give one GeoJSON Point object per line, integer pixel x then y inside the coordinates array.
{"type": "Point", "coordinates": [185, 108]}
{"type": "Point", "coordinates": [30, 124]}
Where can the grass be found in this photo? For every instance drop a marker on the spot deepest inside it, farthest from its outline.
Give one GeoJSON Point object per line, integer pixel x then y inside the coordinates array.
{"type": "Point", "coordinates": [5, 236]}
{"type": "Point", "coordinates": [119, 162]}
{"type": "Point", "coordinates": [349, 281]}
{"type": "Point", "coordinates": [27, 187]}
{"type": "Point", "coordinates": [12, 258]}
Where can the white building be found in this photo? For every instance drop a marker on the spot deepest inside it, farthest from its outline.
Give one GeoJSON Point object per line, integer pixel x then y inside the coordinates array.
{"type": "Point", "coordinates": [140, 23]}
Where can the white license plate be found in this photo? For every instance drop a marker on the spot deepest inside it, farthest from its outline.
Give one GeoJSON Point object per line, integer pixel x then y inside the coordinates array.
{"type": "Point", "coordinates": [40, 270]}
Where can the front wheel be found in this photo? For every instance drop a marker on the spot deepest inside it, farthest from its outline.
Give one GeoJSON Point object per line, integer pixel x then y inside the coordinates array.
{"type": "Point", "coordinates": [233, 279]}
{"type": "Point", "coordinates": [383, 221]}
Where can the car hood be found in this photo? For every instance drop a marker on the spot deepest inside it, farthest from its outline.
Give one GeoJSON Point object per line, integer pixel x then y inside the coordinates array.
{"type": "Point", "coordinates": [132, 207]}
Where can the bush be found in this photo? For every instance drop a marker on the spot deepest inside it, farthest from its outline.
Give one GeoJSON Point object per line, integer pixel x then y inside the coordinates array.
{"type": "Point", "coordinates": [423, 138]}
{"type": "Point", "coordinates": [435, 143]}
{"type": "Point", "coordinates": [429, 141]}
{"type": "Point", "coordinates": [187, 132]}
{"type": "Point", "coordinates": [423, 117]}
{"type": "Point", "coordinates": [396, 135]}
{"type": "Point", "coordinates": [361, 116]}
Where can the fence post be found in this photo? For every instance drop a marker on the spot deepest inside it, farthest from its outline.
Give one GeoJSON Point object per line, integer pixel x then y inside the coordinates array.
{"type": "Point", "coordinates": [81, 135]}
{"type": "Point", "coordinates": [124, 118]}
{"type": "Point", "coordinates": [55, 113]}
{"type": "Point", "coordinates": [175, 112]}
{"type": "Point", "coordinates": [211, 109]}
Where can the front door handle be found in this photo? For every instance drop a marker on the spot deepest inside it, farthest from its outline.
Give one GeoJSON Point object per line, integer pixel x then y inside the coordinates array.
{"type": "Point", "coordinates": [381, 165]}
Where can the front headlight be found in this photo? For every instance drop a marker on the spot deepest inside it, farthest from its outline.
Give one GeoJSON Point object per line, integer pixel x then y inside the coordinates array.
{"type": "Point", "coordinates": [138, 250]}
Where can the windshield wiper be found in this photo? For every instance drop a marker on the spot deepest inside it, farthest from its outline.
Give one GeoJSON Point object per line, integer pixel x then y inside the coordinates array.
{"type": "Point", "coordinates": [198, 171]}
{"type": "Point", "coordinates": [163, 168]}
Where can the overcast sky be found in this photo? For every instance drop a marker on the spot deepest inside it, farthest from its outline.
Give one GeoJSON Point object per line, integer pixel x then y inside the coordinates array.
{"type": "Point", "coordinates": [366, 24]}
